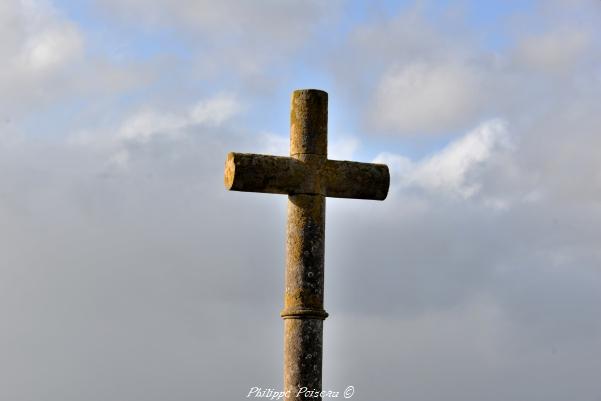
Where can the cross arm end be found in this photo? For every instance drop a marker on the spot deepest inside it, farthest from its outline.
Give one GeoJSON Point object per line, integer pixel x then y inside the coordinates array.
{"type": "Point", "coordinates": [251, 172]}
{"type": "Point", "coordinates": [347, 179]}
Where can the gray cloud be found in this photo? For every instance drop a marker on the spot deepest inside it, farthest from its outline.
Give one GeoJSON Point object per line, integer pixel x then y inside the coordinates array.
{"type": "Point", "coordinates": [129, 273]}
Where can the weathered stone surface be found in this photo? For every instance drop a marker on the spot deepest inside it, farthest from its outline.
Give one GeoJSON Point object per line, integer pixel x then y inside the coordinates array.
{"type": "Point", "coordinates": [344, 179]}
{"type": "Point", "coordinates": [303, 339]}
{"type": "Point", "coordinates": [305, 237]}
{"type": "Point", "coordinates": [303, 297]}
{"type": "Point", "coordinates": [309, 122]}
{"type": "Point", "coordinates": [307, 176]}
{"type": "Point", "coordinates": [261, 173]}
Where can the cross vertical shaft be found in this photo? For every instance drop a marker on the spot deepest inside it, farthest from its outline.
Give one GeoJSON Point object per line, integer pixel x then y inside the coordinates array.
{"type": "Point", "coordinates": [303, 311]}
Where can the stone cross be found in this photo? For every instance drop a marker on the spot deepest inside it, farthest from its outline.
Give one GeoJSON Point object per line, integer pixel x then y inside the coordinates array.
{"type": "Point", "coordinates": [307, 177]}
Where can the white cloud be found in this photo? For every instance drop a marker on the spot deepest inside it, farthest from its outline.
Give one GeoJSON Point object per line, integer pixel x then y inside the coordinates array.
{"type": "Point", "coordinates": [37, 40]}
{"type": "Point", "coordinates": [555, 50]}
{"type": "Point", "coordinates": [146, 125]}
{"type": "Point", "coordinates": [215, 111]}
{"type": "Point", "coordinates": [450, 170]}
{"type": "Point", "coordinates": [343, 148]}
{"type": "Point", "coordinates": [51, 48]}
{"type": "Point", "coordinates": [48, 62]}
{"type": "Point", "coordinates": [426, 98]}
{"type": "Point", "coordinates": [274, 144]}
{"type": "Point", "coordinates": [400, 166]}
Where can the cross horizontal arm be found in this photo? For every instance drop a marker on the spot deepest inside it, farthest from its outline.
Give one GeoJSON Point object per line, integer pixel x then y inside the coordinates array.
{"type": "Point", "coordinates": [286, 175]}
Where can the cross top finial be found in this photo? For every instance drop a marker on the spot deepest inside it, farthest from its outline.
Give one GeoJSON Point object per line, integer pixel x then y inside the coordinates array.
{"type": "Point", "coordinates": [309, 122]}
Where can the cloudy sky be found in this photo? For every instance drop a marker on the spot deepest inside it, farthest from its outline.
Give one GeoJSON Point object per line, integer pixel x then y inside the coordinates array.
{"type": "Point", "coordinates": [127, 272]}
